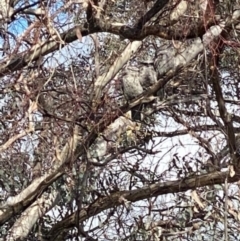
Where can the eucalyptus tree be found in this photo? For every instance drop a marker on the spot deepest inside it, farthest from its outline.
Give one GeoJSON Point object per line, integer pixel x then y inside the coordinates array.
{"type": "Point", "coordinates": [75, 164]}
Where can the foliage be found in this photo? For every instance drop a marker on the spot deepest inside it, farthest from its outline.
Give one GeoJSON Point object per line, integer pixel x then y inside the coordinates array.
{"type": "Point", "coordinates": [75, 165]}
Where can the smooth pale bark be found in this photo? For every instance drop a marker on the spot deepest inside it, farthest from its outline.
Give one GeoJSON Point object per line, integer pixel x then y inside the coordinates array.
{"type": "Point", "coordinates": [29, 217]}
{"type": "Point", "coordinates": [25, 197]}
{"type": "Point", "coordinates": [104, 79]}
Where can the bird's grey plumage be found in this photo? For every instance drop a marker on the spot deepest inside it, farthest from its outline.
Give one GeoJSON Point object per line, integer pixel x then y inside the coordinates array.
{"type": "Point", "coordinates": [135, 81]}
{"type": "Point", "coordinates": [148, 76]}
{"type": "Point", "coordinates": [131, 84]}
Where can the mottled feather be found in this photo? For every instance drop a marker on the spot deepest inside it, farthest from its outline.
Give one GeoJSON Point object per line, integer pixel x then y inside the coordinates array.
{"type": "Point", "coordinates": [135, 81]}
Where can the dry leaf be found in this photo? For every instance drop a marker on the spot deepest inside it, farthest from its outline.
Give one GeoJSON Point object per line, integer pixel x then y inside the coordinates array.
{"type": "Point", "coordinates": [33, 107]}
{"type": "Point", "coordinates": [196, 198]}
{"type": "Point", "coordinates": [231, 211]}
{"type": "Point", "coordinates": [231, 171]}
{"type": "Point", "coordinates": [195, 209]}
{"type": "Point", "coordinates": [78, 33]}
{"type": "Point", "coordinates": [230, 204]}
{"type": "Point", "coordinates": [125, 201]}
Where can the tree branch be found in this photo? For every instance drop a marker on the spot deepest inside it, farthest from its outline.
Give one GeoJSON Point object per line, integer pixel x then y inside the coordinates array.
{"type": "Point", "coordinates": [153, 190]}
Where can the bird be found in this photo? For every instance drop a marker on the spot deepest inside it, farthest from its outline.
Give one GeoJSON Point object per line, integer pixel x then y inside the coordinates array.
{"type": "Point", "coordinates": [135, 80]}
